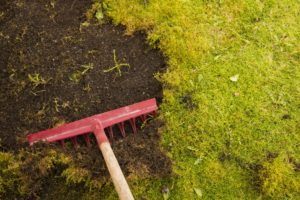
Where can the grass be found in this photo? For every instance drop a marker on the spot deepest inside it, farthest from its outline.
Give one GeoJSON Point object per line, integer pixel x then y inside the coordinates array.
{"type": "Point", "coordinates": [117, 65]}
{"type": "Point", "coordinates": [231, 95]}
{"type": "Point", "coordinates": [37, 80]}
{"type": "Point", "coordinates": [77, 76]}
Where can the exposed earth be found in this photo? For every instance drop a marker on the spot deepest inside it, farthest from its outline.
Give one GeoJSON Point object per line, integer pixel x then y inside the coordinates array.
{"type": "Point", "coordinates": [56, 67]}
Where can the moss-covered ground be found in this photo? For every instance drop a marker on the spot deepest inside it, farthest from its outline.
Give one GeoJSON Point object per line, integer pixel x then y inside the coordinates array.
{"type": "Point", "coordinates": [231, 95]}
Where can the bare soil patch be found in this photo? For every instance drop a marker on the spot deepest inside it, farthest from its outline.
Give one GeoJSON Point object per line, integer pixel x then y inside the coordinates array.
{"type": "Point", "coordinates": [53, 71]}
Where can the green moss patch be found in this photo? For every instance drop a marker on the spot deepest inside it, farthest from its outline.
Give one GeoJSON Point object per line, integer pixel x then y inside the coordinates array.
{"type": "Point", "coordinates": [231, 93]}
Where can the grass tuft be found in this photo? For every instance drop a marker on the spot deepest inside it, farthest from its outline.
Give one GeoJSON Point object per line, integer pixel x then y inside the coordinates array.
{"type": "Point", "coordinates": [117, 65]}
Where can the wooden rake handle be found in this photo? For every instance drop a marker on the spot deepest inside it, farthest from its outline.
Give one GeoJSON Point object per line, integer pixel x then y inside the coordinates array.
{"type": "Point", "coordinates": [113, 166]}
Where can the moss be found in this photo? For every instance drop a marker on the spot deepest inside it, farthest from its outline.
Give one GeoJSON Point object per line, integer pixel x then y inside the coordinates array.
{"type": "Point", "coordinates": [232, 124]}
{"type": "Point", "coordinates": [95, 12]}
{"type": "Point", "coordinates": [76, 175]}
{"type": "Point", "coordinates": [279, 178]}
{"type": "Point", "coordinates": [51, 160]}
{"type": "Point", "coordinates": [214, 171]}
{"type": "Point", "coordinates": [11, 183]}
{"type": "Point", "coordinates": [29, 172]}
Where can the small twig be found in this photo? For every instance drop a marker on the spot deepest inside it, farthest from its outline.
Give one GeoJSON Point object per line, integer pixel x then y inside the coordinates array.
{"type": "Point", "coordinates": [73, 4]}
{"type": "Point", "coordinates": [37, 92]}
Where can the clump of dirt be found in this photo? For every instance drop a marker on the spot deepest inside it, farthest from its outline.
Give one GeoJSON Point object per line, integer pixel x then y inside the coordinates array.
{"type": "Point", "coordinates": [55, 69]}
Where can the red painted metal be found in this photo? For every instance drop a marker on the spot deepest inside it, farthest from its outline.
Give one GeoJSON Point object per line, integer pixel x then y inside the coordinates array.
{"type": "Point", "coordinates": [100, 121]}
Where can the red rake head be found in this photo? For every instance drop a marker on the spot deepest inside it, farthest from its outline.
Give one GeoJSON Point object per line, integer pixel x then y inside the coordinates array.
{"type": "Point", "coordinates": [104, 120]}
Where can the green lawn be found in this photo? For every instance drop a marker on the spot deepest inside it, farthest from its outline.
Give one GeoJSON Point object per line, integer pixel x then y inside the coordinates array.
{"type": "Point", "coordinates": [231, 95]}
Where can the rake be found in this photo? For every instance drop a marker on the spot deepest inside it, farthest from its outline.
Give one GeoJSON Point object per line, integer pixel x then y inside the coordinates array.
{"type": "Point", "coordinates": [97, 125]}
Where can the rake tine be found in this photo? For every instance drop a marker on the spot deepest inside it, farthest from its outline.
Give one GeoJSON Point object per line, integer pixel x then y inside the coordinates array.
{"type": "Point", "coordinates": [122, 129]}
{"type": "Point", "coordinates": [62, 143]}
{"type": "Point", "coordinates": [143, 117]}
{"type": "Point", "coordinates": [133, 125]}
{"type": "Point", "coordinates": [87, 139]}
{"type": "Point", "coordinates": [74, 141]}
{"type": "Point", "coordinates": [154, 113]}
{"type": "Point", "coordinates": [111, 133]}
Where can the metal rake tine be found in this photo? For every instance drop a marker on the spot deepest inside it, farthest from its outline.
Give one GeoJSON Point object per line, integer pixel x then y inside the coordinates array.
{"type": "Point", "coordinates": [133, 125]}
{"type": "Point", "coordinates": [154, 113]}
{"type": "Point", "coordinates": [143, 118]}
{"type": "Point", "coordinates": [122, 129]}
{"type": "Point", "coordinates": [111, 133]}
{"type": "Point", "coordinates": [74, 141]}
{"type": "Point", "coordinates": [62, 143]}
{"type": "Point", "coordinates": [87, 139]}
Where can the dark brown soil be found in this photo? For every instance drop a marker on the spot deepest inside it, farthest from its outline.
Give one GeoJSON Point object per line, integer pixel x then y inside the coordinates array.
{"type": "Point", "coordinates": [46, 41]}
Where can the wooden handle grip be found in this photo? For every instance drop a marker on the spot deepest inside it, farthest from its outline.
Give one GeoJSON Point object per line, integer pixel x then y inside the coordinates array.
{"type": "Point", "coordinates": [115, 171]}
